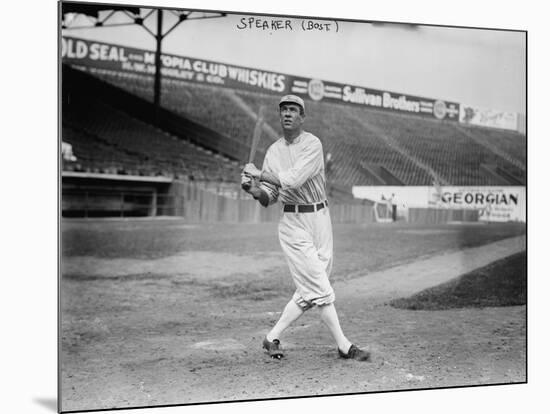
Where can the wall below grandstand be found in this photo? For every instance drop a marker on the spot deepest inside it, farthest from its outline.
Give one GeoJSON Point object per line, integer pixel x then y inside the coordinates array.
{"type": "Point", "coordinates": [199, 202]}
{"type": "Point", "coordinates": [104, 195]}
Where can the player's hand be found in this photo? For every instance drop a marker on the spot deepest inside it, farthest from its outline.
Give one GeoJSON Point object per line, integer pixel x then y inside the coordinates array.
{"type": "Point", "coordinates": [251, 170]}
{"type": "Point", "coordinates": [246, 181]}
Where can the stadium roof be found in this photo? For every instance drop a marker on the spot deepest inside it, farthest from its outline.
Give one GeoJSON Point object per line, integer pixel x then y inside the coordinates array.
{"type": "Point", "coordinates": [93, 10]}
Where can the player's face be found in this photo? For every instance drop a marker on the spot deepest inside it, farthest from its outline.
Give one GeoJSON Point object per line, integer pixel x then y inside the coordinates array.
{"type": "Point", "coordinates": [291, 117]}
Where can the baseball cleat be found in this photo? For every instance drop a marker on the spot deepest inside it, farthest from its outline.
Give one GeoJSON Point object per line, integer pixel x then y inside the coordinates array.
{"type": "Point", "coordinates": [355, 353]}
{"type": "Point", "coordinates": [272, 347]}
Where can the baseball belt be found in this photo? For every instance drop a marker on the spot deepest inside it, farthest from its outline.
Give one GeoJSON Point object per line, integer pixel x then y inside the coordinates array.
{"type": "Point", "coordinates": [304, 208]}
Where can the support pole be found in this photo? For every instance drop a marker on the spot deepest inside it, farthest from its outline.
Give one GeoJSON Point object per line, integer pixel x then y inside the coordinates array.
{"type": "Point", "coordinates": [157, 87]}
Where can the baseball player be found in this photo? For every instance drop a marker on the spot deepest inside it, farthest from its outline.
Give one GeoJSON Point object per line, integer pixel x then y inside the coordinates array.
{"type": "Point", "coordinates": [293, 172]}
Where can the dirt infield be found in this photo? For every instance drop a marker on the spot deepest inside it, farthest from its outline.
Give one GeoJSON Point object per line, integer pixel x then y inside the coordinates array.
{"type": "Point", "coordinates": [161, 312]}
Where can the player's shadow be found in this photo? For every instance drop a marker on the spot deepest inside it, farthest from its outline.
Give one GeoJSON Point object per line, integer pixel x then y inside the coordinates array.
{"type": "Point", "coordinates": [49, 403]}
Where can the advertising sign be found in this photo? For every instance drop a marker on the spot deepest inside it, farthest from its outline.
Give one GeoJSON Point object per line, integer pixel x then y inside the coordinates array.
{"type": "Point", "coordinates": [100, 55]}
{"type": "Point", "coordinates": [126, 59]}
{"type": "Point", "coordinates": [318, 90]}
{"type": "Point", "coordinates": [493, 203]}
{"type": "Point", "coordinates": [488, 118]}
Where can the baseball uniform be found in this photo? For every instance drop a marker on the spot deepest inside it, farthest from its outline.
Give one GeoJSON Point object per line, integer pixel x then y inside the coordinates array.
{"type": "Point", "coordinates": [305, 237]}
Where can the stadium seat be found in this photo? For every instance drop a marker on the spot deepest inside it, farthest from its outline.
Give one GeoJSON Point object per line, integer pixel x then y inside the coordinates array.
{"type": "Point", "coordinates": [408, 147]}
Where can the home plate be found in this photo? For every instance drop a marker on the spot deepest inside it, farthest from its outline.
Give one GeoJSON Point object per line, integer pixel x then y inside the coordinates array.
{"type": "Point", "coordinates": [220, 345]}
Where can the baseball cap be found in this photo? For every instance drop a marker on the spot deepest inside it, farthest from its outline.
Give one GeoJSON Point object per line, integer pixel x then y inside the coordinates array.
{"type": "Point", "coordinates": [293, 99]}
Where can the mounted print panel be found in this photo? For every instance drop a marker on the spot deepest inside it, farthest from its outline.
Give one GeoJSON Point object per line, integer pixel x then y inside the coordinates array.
{"type": "Point", "coordinates": [258, 207]}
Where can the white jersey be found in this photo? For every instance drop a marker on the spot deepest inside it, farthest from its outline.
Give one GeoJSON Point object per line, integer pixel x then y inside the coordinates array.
{"type": "Point", "coordinates": [299, 167]}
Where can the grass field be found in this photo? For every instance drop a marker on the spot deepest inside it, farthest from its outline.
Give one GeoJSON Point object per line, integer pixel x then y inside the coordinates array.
{"type": "Point", "coordinates": [501, 283]}
{"type": "Point", "coordinates": [157, 312]}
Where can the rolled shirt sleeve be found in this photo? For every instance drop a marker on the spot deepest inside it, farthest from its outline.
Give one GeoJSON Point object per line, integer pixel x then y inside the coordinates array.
{"type": "Point", "coordinates": [309, 163]}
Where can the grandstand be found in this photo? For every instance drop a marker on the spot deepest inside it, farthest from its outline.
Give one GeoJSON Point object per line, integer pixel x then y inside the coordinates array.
{"type": "Point", "coordinates": [107, 139]}
{"type": "Point", "coordinates": [368, 147]}
{"type": "Point", "coordinates": [453, 154]}
{"type": "Point", "coordinates": [202, 133]}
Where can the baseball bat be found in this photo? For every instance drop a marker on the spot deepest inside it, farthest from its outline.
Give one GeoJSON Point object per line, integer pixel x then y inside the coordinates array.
{"type": "Point", "coordinates": [256, 135]}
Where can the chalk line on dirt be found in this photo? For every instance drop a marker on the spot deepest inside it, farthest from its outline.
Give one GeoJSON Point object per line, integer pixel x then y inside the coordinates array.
{"type": "Point", "coordinates": [407, 279]}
